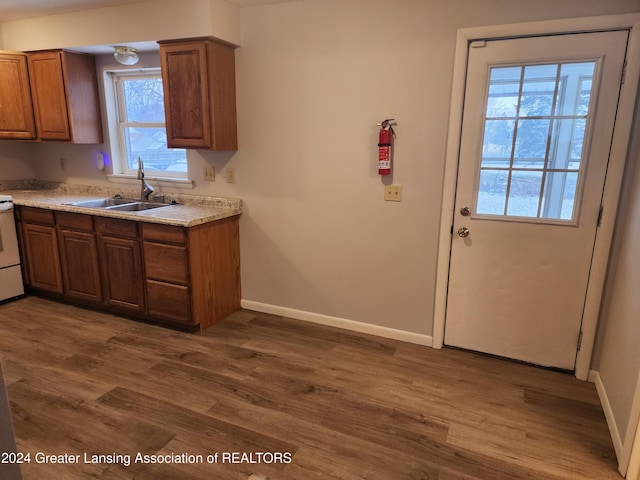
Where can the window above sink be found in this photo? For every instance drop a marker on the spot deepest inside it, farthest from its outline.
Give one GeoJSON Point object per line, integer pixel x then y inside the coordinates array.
{"type": "Point", "coordinates": [137, 125]}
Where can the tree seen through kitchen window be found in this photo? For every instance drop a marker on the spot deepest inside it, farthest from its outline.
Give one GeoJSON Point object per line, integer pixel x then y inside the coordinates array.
{"type": "Point", "coordinates": [141, 127]}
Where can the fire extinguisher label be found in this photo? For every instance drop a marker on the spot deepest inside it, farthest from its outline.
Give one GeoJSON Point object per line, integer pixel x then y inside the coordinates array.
{"type": "Point", "coordinates": [384, 159]}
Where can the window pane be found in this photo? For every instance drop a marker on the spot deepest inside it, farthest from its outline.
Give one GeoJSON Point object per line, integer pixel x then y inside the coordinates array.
{"type": "Point", "coordinates": [574, 97]}
{"type": "Point", "coordinates": [577, 141]}
{"type": "Point", "coordinates": [567, 138]}
{"type": "Point", "coordinates": [493, 192]}
{"type": "Point", "coordinates": [504, 89]}
{"type": "Point", "coordinates": [531, 143]}
{"type": "Point", "coordinates": [559, 195]}
{"type": "Point", "coordinates": [584, 97]}
{"type": "Point", "coordinates": [498, 141]}
{"type": "Point", "coordinates": [538, 90]}
{"type": "Point", "coordinates": [144, 100]}
{"type": "Point", "coordinates": [151, 145]}
{"type": "Point", "coordinates": [524, 194]}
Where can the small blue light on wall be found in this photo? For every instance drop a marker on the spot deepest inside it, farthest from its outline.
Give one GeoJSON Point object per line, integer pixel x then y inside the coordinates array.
{"type": "Point", "coordinates": [101, 161]}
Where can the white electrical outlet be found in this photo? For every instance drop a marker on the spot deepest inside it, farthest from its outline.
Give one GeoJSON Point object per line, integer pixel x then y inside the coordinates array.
{"type": "Point", "coordinates": [393, 193]}
{"type": "Point", "coordinates": [209, 174]}
{"type": "Point", "coordinates": [231, 175]}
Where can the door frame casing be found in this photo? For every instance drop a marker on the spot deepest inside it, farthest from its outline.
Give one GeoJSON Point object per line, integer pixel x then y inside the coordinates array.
{"type": "Point", "coordinates": [617, 161]}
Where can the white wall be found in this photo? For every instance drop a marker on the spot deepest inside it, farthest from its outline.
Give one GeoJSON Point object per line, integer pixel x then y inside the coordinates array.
{"type": "Point", "coordinates": [313, 78]}
{"type": "Point", "coordinates": [124, 24]}
{"type": "Point", "coordinates": [617, 354]}
{"type": "Point", "coordinates": [15, 161]}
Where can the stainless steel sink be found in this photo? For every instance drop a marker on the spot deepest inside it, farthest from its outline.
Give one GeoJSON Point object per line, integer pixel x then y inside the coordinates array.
{"type": "Point", "coordinates": [119, 204]}
{"type": "Point", "coordinates": [103, 202]}
{"type": "Point", "coordinates": [137, 206]}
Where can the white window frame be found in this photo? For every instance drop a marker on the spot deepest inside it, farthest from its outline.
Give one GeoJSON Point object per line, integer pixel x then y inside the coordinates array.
{"type": "Point", "coordinates": [116, 109]}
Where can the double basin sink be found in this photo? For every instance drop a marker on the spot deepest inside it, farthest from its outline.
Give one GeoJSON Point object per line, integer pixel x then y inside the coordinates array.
{"type": "Point", "coordinates": [119, 204]}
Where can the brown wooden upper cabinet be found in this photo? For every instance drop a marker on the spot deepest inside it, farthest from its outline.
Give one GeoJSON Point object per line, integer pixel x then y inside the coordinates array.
{"type": "Point", "coordinates": [16, 108]}
{"type": "Point", "coordinates": [49, 95]}
{"type": "Point", "coordinates": [198, 76]}
{"type": "Point", "coordinates": [64, 88]}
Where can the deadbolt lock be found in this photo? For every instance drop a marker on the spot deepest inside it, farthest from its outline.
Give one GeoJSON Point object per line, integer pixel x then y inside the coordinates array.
{"type": "Point", "coordinates": [465, 211]}
{"type": "Point", "coordinates": [463, 232]}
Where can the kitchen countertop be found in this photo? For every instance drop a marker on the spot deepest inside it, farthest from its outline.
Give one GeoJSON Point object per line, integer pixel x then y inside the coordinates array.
{"type": "Point", "coordinates": [191, 209]}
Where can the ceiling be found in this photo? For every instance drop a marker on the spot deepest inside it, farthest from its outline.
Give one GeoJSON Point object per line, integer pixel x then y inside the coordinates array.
{"type": "Point", "coordinates": [18, 9]}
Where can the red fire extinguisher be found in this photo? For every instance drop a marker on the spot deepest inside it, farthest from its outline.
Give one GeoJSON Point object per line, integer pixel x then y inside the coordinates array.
{"type": "Point", "coordinates": [385, 143]}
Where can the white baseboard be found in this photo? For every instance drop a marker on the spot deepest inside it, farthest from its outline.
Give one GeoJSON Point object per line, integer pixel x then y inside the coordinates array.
{"type": "Point", "coordinates": [594, 377]}
{"type": "Point", "coordinates": [337, 322]}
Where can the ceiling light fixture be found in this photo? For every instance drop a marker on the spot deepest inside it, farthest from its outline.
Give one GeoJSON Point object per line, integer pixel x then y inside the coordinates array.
{"type": "Point", "coordinates": [126, 55]}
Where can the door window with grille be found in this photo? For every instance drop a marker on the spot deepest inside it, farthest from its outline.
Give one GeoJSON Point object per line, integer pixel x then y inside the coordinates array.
{"type": "Point", "coordinates": [534, 141]}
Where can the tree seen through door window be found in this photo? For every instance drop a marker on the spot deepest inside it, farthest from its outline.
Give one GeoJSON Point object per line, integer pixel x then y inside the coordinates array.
{"type": "Point", "coordinates": [534, 134]}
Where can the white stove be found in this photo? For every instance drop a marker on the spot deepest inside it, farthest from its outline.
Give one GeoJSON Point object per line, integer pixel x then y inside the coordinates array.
{"type": "Point", "coordinates": [10, 273]}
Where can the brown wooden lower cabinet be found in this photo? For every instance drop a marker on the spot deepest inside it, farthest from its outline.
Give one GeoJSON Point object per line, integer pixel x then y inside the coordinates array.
{"type": "Point", "coordinates": [121, 263]}
{"type": "Point", "coordinates": [178, 275]}
{"type": "Point", "coordinates": [201, 263]}
{"type": "Point", "coordinates": [40, 256]}
{"type": "Point", "coordinates": [44, 260]}
{"type": "Point", "coordinates": [79, 256]}
{"type": "Point", "coordinates": [122, 279]}
{"type": "Point", "coordinates": [80, 273]}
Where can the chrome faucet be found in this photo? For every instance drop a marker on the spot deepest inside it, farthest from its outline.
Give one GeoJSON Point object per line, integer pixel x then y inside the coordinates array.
{"type": "Point", "coordinates": [145, 189]}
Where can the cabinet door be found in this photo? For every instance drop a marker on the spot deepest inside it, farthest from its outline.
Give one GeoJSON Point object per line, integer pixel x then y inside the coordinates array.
{"type": "Point", "coordinates": [49, 99]}
{"type": "Point", "coordinates": [123, 283]}
{"type": "Point", "coordinates": [16, 108]}
{"type": "Point", "coordinates": [199, 94]}
{"type": "Point", "coordinates": [186, 95]}
{"type": "Point", "coordinates": [43, 260]}
{"type": "Point", "coordinates": [80, 271]}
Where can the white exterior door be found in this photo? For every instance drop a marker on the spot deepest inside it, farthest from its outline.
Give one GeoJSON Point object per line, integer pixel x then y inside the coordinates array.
{"type": "Point", "coordinates": [538, 120]}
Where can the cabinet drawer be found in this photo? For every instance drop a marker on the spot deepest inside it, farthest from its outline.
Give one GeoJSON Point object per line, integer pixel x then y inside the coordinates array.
{"type": "Point", "coordinates": [37, 215]}
{"type": "Point", "coordinates": [166, 262]}
{"type": "Point", "coordinates": [116, 228]}
{"type": "Point", "coordinates": [168, 301]}
{"type": "Point", "coordinates": [75, 221]}
{"type": "Point", "coordinates": [164, 233]}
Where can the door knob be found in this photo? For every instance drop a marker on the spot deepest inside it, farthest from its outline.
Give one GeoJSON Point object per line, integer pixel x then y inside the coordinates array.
{"type": "Point", "coordinates": [463, 232]}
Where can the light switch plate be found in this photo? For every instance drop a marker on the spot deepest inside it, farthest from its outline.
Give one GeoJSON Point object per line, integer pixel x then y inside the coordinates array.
{"type": "Point", "coordinates": [393, 193]}
{"type": "Point", "coordinates": [209, 174]}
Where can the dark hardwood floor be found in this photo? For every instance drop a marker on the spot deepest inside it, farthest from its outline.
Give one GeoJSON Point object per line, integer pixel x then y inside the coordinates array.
{"type": "Point", "coordinates": [291, 400]}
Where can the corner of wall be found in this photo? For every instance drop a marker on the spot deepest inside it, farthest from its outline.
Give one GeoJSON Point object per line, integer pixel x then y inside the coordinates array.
{"type": "Point", "coordinates": [225, 19]}
{"type": "Point", "coordinates": [594, 377]}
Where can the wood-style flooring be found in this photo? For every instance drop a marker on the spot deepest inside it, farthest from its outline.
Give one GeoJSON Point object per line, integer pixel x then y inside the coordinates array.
{"type": "Point", "coordinates": [301, 401]}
